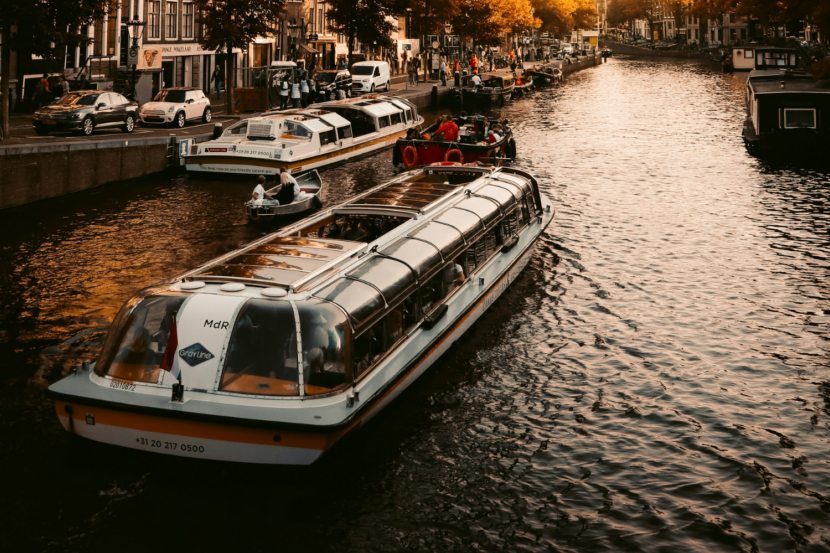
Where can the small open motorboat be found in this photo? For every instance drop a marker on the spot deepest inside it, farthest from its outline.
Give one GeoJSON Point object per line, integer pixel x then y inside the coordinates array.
{"type": "Point", "coordinates": [414, 151]}
{"type": "Point", "coordinates": [524, 84]}
{"type": "Point", "coordinates": [495, 90]}
{"type": "Point", "coordinates": [309, 182]}
{"type": "Point", "coordinates": [546, 73]}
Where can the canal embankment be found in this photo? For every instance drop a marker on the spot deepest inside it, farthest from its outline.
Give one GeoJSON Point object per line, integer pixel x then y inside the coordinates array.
{"type": "Point", "coordinates": [32, 171]}
{"type": "Point", "coordinates": [639, 51]}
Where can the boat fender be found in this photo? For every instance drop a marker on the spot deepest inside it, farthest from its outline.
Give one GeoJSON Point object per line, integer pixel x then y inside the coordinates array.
{"type": "Point", "coordinates": [452, 154]}
{"type": "Point", "coordinates": [410, 157]}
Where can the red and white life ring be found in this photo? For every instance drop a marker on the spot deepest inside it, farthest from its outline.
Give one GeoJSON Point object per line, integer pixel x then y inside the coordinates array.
{"type": "Point", "coordinates": [450, 154]}
{"type": "Point", "coordinates": [410, 156]}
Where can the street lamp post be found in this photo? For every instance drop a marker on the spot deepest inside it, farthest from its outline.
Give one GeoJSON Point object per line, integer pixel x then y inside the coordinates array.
{"type": "Point", "coordinates": [136, 27]}
{"type": "Point", "coordinates": [293, 35]}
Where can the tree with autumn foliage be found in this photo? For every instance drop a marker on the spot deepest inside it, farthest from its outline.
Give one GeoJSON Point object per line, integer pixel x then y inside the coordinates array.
{"type": "Point", "coordinates": [561, 16]}
{"type": "Point", "coordinates": [366, 21]}
{"type": "Point", "coordinates": [233, 24]}
{"type": "Point", "coordinates": [44, 28]}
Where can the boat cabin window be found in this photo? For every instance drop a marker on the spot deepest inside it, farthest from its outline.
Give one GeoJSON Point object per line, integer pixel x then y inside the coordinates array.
{"type": "Point", "coordinates": [369, 347]}
{"type": "Point", "coordinates": [395, 118]}
{"type": "Point", "coordinates": [360, 228]}
{"type": "Point", "coordinates": [383, 121]}
{"type": "Point", "coordinates": [408, 115]}
{"type": "Point", "coordinates": [326, 338]}
{"type": "Point", "coordinates": [344, 132]}
{"type": "Point", "coordinates": [328, 137]}
{"type": "Point", "coordinates": [262, 351]}
{"type": "Point", "coordinates": [240, 128]}
{"type": "Point", "coordinates": [139, 343]}
{"type": "Point", "coordinates": [421, 256]}
{"type": "Point", "coordinates": [799, 118]}
{"type": "Point", "coordinates": [296, 131]}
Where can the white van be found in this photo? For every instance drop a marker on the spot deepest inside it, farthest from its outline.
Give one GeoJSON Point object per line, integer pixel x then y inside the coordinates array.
{"type": "Point", "coordinates": [370, 76]}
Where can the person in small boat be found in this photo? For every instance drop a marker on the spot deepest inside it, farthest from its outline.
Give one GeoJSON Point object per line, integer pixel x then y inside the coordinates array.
{"type": "Point", "coordinates": [476, 81]}
{"type": "Point", "coordinates": [462, 119]}
{"type": "Point", "coordinates": [260, 196]}
{"type": "Point", "coordinates": [492, 137]}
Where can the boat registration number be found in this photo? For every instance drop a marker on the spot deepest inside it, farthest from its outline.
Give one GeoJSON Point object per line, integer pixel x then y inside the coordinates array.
{"type": "Point", "coordinates": [172, 446]}
{"type": "Point", "coordinates": [121, 385]}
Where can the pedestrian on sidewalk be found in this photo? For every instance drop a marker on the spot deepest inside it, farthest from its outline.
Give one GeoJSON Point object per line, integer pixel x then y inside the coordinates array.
{"type": "Point", "coordinates": [404, 57]}
{"type": "Point", "coordinates": [295, 95]}
{"type": "Point", "coordinates": [217, 80]}
{"type": "Point", "coordinates": [443, 72]}
{"type": "Point", "coordinates": [410, 71]}
{"type": "Point", "coordinates": [492, 60]}
{"type": "Point", "coordinates": [304, 93]}
{"type": "Point", "coordinates": [42, 92]}
{"type": "Point", "coordinates": [284, 94]}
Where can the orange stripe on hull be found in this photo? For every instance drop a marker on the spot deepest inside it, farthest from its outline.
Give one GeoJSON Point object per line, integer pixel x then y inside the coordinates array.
{"type": "Point", "coordinates": [196, 429]}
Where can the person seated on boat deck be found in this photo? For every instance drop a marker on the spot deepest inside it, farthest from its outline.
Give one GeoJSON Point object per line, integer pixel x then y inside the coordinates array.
{"type": "Point", "coordinates": [476, 81]}
{"type": "Point", "coordinates": [260, 196]}
{"type": "Point", "coordinates": [335, 230]}
{"type": "Point", "coordinates": [492, 137]}
{"type": "Point", "coordinates": [357, 232]}
{"type": "Point", "coordinates": [453, 276]}
{"type": "Point", "coordinates": [462, 119]}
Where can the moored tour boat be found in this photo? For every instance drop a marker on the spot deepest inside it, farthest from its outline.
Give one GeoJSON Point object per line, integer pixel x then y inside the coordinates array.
{"type": "Point", "coordinates": [303, 139]}
{"type": "Point", "coordinates": [274, 352]}
{"type": "Point", "coordinates": [546, 73]}
{"type": "Point", "coordinates": [415, 150]}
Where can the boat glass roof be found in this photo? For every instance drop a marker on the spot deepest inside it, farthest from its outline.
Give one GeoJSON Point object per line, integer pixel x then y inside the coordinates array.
{"type": "Point", "coordinates": [504, 197]}
{"type": "Point", "coordinates": [390, 276]}
{"type": "Point", "coordinates": [421, 256]}
{"type": "Point", "coordinates": [484, 208]}
{"type": "Point", "coordinates": [468, 223]}
{"type": "Point", "coordinates": [446, 239]}
{"type": "Point", "coordinates": [360, 300]}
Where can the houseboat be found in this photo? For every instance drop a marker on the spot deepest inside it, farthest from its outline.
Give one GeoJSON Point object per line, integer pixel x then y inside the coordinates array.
{"type": "Point", "coordinates": [418, 149]}
{"type": "Point", "coordinates": [749, 57]}
{"type": "Point", "coordinates": [303, 139]}
{"type": "Point", "coordinates": [274, 352]}
{"type": "Point", "coordinates": [786, 109]}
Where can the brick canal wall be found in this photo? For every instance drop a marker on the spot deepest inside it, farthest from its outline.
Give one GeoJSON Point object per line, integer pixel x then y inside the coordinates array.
{"type": "Point", "coordinates": [35, 172]}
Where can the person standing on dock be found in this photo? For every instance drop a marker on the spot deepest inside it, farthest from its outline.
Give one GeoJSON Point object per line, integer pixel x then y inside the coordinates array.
{"type": "Point", "coordinates": [443, 72]}
{"type": "Point", "coordinates": [284, 94]}
{"type": "Point", "coordinates": [304, 93]}
{"type": "Point", "coordinates": [217, 80]}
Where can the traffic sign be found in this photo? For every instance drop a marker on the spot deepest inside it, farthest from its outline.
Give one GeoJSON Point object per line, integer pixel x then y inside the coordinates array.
{"type": "Point", "coordinates": [132, 56]}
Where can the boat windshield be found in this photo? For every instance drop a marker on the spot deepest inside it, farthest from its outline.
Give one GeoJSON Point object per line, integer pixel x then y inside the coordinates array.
{"type": "Point", "coordinates": [296, 131]}
{"type": "Point", "coordinates": [325, 337]}
{"type": "Point", "coordinates": [136, 344]}
{"type": "Point", "coordinates": [262, 351]}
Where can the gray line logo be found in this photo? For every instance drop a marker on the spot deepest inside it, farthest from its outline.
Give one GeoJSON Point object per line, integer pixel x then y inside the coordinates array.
{"type": "Point", "coordinates": [195, 354]}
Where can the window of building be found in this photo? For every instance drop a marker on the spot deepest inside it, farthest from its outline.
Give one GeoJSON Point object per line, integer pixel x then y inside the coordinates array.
{"type": "Point", "coordinates": [172, 30]}
{"type": "Point", "coordinates": [187, 28]}
{"type": "Point", "coordinates": [749, 54]}
{"type": "Point", "coordinates": [320, 28]}
{"type": "Point", "coordinates": [155, 19]}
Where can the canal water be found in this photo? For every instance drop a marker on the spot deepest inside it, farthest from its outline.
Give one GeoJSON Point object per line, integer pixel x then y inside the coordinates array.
{"type": "Point", "coordinates": [657, 380]}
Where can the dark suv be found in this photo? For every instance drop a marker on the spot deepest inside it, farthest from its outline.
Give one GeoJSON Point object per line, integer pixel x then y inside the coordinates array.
{"type": "Point", "coordinates": [329, 82]}
{"type": "Point", "coordinates": [83, 111]}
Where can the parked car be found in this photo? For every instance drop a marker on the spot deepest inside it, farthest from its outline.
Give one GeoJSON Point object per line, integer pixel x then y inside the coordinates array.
{"type": "Point", "coordinates": [329, 82]}
{"type": "Point", "coordinates": [370, 76]}
{"type": "Point", "coordinates": [83, 111]}
{"type": "Point", "coordinates": [566, 49]}
{"type": "Point", "coordinates": [177, 106]}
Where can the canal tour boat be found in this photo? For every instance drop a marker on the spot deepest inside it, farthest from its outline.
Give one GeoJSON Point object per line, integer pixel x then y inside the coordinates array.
{"type": "Point", "coordinates": [311, 186]}
{"type": "Point", "coordinates": [416, 150]}
{"type": "Point", "coordinates": [274, 352]}
{"type": "Point", "coordinates": [303, 139]}
{"type": "Point", "coordinates": [786, 109]}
